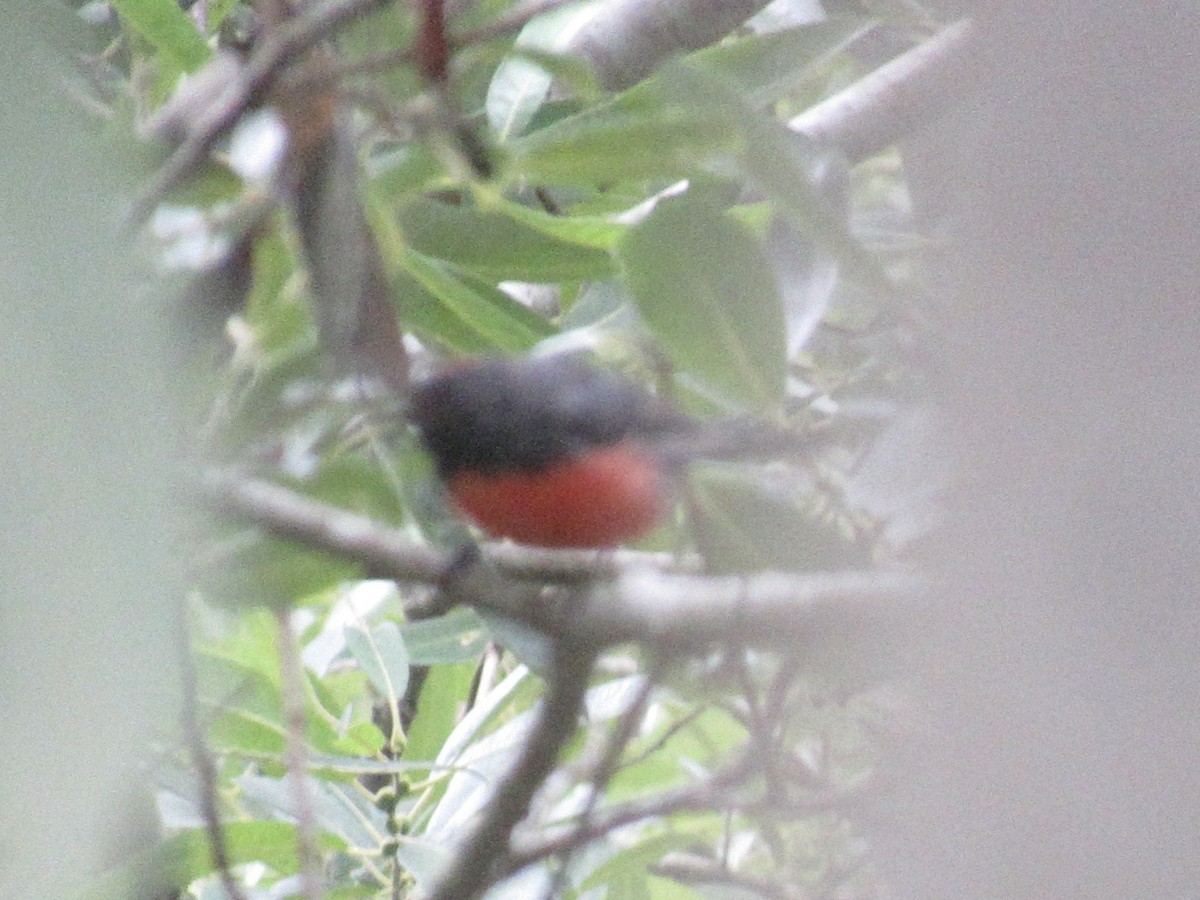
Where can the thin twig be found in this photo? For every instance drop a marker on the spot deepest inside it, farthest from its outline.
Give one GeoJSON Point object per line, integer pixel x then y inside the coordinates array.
{"type": "Point", "coordinates": [606, 766]}
{"type": "Point", "coordinates": [687, 868]}
{"type": "Point", "coordinates": [712, 796]}
{"type": "Point", "coordinates": [206, 771]}
{"type": "Point", "coordinates": [292, 677]}
{"type": "Point", "coordinates": [268, 62]}
{"type": "Point", "coordinates": [475, 868]}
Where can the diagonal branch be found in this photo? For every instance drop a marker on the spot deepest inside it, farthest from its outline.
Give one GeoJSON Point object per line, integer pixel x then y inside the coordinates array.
{"type": "Point", "coordinates": [270, 60]}
{"type": "Point", "coordinates": [894, 100]}
{"type": "Point", "coordinates": [475, 866]}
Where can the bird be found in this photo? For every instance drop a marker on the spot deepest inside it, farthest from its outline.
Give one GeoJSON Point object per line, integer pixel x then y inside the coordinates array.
{"type": "Point", "coordinates": [556, 452]}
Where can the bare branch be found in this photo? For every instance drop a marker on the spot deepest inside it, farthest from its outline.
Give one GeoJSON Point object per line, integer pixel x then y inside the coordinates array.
{"type": "Point", "coordinates": [630, 600]}
{"type": "Point", "coordinates": [206, 770]}
{"type": "Point", "coordinates": [389, 553]}
{"type": "Point", "coordinates": [604, 767]}
{"type": "Point", "coordinates": [386, 553]}
{"type": "Point", "coordinates": [688, 868]}
{"type": "Point", "coordinates": [895, 99]}
{"type": "Point", "coordinates": [270, 60]}
{"type": "Point", "coordinates": [475, 867]}
{"type": "Point", "coordinates": [296, 753]}
{"type": "Point", "coordinates": [768, 609]}
{"type": "Point", "coordinates": [626, 40]}
{"type": "Point", "coordinates": [717, 795]}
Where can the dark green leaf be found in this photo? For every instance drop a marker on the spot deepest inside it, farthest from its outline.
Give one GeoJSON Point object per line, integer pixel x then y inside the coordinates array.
{"type": "Point", "coordinates": [636, 137]}
{"type": "Point", "coordinates": [168, 29]}
{"type": "Point", "coordinates": [785, 166]}
{"type": "Point", "coordinates": [461, 314]}
{"type": "Point", "coordinates": [744, 528]}
{"type": "Point", "coordinates": [455, 637]}
{"type": "Point", "coordinates": [764, 67]}
{"type": "Point", "coordinates": [381, 654]}
{"type": "Point", "coordinates": [705, 288]}
{"type": "Point", "coordinates": [496, 245]}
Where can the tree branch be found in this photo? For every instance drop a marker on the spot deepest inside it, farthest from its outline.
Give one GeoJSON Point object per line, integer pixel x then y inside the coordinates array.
{"type": "Point", "coordinates": [296, 755]}
{"type": "Point", "coordinates": [630, 598]}
{"type": "Point", "coordinates": [626, 40]}
{"type": "Point", "coordinates": [243, 89]}
{"type": "Point", "coordinates": [206, 770]}
{"type": "Point", "coordinates": [390, 553]}
{"type": "Point", "coordinates": [895, 99]}
{"type": "Point", "coordinates": [688, 868]}
{"type": "Point", "coordinates": [475, 867]}
{"type": "Point", "coordinates": [715, 795]}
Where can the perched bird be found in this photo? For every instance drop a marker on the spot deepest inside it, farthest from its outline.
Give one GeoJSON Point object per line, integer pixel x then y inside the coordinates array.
{"type": "Point", "coordinates": [556, 452]}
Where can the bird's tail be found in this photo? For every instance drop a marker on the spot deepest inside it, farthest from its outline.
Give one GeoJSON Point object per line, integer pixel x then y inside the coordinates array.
{"type": "Point", "coordinates": [740, 438]}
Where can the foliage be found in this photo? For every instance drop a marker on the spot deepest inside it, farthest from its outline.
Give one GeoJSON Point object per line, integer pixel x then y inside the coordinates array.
{"type": "Point", "coordinates": [677, 227]}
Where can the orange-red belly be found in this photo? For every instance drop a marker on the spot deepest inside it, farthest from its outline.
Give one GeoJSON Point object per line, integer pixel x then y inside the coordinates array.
{"type": "Point", "coordinates": [602, 498]}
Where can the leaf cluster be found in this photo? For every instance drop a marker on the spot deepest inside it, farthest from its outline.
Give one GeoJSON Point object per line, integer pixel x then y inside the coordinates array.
{"type": "Point", "coordinates": [677, 230]}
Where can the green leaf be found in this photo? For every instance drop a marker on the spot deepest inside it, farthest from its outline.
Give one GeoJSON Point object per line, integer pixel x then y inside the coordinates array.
{"type": "Point", "coordinates": [705, 739]}
{"type": "Point", "coordinates": [168, 29]}
{"type": "Point", "coordinates": [496, 245]}
{"type": "Point", "coordinates": [242, 684]}
{"type": "Point", "coordinates": [239, 732]}
{"type": "Point", "coordinates": [628, 867]}
{"type": "Point", "coordinates": [338, 807]}
{"type": "Point", "coordinates": [706, 290]}
{"type": "Point", "coordinates": [783, 165]}
{"type": "Point", "coordinates": [460, 314]}
{"type": "Point", "coordinates": [765, 67]}
{"type": "Point", "coordinates": [255, 569]}
{"type": "Point", "coordinates": [641, 134]}
{"type": "Point", "coordinates": [522, 82]}
{"type": "Point", "coordinates": [404, 171]}
{"type": "Point", "coordinates": [217, 12]}
{"type": "Point", "coordinates": [467, 730]}
{"type": "Point", "coordinates": [186, 856]}
{"type": "Point", "coordinates": [455, 637]}
{"type": "Point", "coordinates": [437, 323]}
{"type": "Point", "coordinates": [746, 528]}
{"type": "Point", "coordinates": [382, 656]}
{"type": "Point", "coordinates": [437, 710]}
{"type": "Point", "coordinates": [281, 319]}
{"type": "Point", "coordinates": [484, 762]}
{"type": "Point", "coordinates": [359, 484]}
{"type": "Point", "coordinates": [600, 232]}
{"type": "Point", "coordinates": [251, 648]}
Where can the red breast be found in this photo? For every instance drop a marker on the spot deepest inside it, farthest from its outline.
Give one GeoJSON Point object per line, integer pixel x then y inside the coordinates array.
{"type": "Point", "coordinates": [600, 498]}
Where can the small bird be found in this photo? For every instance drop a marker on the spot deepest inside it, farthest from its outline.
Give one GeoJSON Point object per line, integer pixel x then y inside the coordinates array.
{"type": "Point", "coordinates": [555, 452]}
